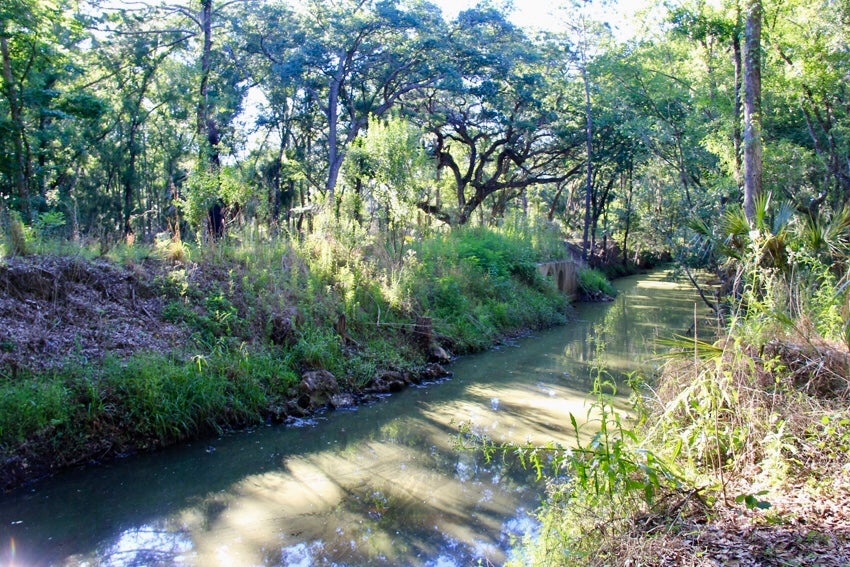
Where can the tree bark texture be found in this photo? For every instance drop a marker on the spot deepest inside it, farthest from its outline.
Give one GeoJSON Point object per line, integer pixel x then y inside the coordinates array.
{"type": "Point", "coordinates": [752, 108]}
{"type": "Point", "coordinates": [589, 173]}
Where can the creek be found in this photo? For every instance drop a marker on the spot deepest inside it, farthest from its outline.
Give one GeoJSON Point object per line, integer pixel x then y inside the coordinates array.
{"type": "Point", "coordinates": [380, 485]}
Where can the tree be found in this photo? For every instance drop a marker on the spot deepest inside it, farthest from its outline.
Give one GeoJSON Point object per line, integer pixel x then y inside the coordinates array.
{"type": "Point", "coordinates": [135, 52]}
{"type": "Point", "coordinates": [806, 65]}
{"type": "Point", "coordinates": [357, 59]}
{"type": "Point", "coordinates": [492, 128]}
{"type": "Point", "coordinates": [752, 108]}
{"type": "Point", "coordinates": [390, 172]}
{"type": "Point", "coordinates": [20, 166]}
{"type": "Point", "coordinates": [34, 66]}
{"type": "Point", "coordinates": [582, 41]}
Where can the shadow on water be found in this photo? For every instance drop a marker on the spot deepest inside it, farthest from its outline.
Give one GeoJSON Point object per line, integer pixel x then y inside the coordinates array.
{"type": "Point", "coordinates": [382, 485]}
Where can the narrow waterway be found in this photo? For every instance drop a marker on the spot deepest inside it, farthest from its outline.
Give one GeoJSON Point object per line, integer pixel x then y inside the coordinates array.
{"type": "Point", "coordinates": [381, 485]}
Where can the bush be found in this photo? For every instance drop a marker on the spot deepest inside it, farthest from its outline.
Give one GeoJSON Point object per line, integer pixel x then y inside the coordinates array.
{"type": "Point", "coordinates": [28, 406]}
{"type": "Point", "coordinates": [593, 282]}
{"type": "Point", "coordinates": [478, 283]}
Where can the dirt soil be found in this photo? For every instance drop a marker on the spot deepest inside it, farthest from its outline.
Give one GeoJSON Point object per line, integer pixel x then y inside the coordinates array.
{"type": "Point", "coordinates": [53, 308]}
{"type": "Point", "coordinates": [65, 310]}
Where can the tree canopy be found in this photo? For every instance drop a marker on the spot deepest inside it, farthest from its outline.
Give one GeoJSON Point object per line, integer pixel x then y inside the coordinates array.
{"type": "Point", "coordinates": [137, 119]}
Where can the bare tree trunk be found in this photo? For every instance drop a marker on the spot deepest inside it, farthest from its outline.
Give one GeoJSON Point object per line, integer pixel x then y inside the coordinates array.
{"type": "Point", "coordinates": [207, 128]}
{"type": "Point", "coordinates": [334, 157]}
{"type": "Point", "coordinates": [18, 126]}
{"type": "Point", "coordinates": [130, 179]}
{"type": "Point", "coordinates": [589, 173]}
{"type": "Point", "coordinates": [736, 126]}
{"type": "Point", "coordinates": [752, 108]}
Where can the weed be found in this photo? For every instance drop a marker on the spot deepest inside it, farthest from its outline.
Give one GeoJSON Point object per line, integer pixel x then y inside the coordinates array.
{"type": "Point", "coordinates": [475, 283]}
{"type": "Point", "coordinates": [319, 348]}
{"type": "Point", "coordinates": [19, 236]}
{"type": "Point", "coordinates": [30, 405]}
{"type": "Point", "coordinates": [592, 282]}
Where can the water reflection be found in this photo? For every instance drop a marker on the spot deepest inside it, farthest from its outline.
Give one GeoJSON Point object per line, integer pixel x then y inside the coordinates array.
{"type": "Point", "coordinates": [380, 486]}
{"type": "Point", "coordinates": [153, 544]}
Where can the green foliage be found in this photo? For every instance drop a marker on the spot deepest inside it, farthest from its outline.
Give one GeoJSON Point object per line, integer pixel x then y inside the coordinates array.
{"type": "Point", "coordinates": [321, 349]}
{"type": "Point", "coordinates": [166, 401]}
{"type": "Point", "coordinates": [614, 467]}
{"type": "Point", "coordinates": [18, 238]}
{"type": "Point", "coordinates": [704, 422]}
{"type": "Point", "coordinates": [592, 281]}
{"type": "Point", "coordinates": [221, 317]}
{"type": "Point", "coordinates": [495, 253]}
{"type": "Point", "coordinates": [153, 399]}
{"type": "Point", "coordinates": [752, 502]}
{"type": "Point", "coordinates": [479, 282]}
{"type": "Point", "coordinates": [390, 158]}
{"type": "Point", "coordinates": [30, 407]}
{"type": "Point", "coordinates": [49, 223]}
{"type": "Point", "coordinates": [201, 193]}
{"type": "Point", "coordinates": [216, 317]}
{"type": "Point", "coordinates": [830, 435]}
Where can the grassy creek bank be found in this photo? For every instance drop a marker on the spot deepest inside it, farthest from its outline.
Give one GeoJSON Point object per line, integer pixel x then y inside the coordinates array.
{"type": "Point", "coordinates": [104, 356]}
{"type": "Point", "coordinates": [737, 454]}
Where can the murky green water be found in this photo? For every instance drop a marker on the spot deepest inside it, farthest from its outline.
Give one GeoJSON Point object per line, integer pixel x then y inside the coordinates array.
{"type": "Point", "coordinates": [382, 485]}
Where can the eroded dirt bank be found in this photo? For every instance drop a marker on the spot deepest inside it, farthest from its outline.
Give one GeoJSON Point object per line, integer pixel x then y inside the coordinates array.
{"type": "Point", "coordinates": [65, 312]}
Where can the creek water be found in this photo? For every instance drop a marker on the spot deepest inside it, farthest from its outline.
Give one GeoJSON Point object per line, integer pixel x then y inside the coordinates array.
{"type": "Point", "coordinates": [380, 485]}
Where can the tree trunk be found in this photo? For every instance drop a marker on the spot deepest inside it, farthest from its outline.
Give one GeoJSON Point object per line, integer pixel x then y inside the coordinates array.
{"type": "Point", "coordinates": [736, 126]}
{"type": "Point", "coordinates": [589, 173]}
{"type": "Point", "coordinates": [334, 155]}
{"type": "Point", "coordinates": [752, 109]}
{"type": "Point", "coordinates": [207, 129]}
{"type": "Point", "coordinates": [627, 229]}
{"type": "Point", "coordinates": [553, 207]}
{"type": "Point", "coordinates": [130, 179]}
{"type": "Point", "coordinates": [18, 129]}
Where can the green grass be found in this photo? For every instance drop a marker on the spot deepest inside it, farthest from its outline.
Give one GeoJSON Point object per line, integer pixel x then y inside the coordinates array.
{"type": "Point", "coordinates": [477, 284]}
{"type": "Point", "coordinates": [152, 399]}
{"type": "Point", "coordinates": [592, 281]}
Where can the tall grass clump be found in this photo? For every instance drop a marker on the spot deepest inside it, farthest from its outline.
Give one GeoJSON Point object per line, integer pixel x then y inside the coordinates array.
{"type": "Point", "coordinates": [30, 405]}
{"type": "Point", "coordinates": [478, 282]}
{"type": "Point", "coordinates": [17, 237]}
{"type": "Point", "coordinates": [592, 282]}
{"type": "Point", "coordinates": [146, 400]}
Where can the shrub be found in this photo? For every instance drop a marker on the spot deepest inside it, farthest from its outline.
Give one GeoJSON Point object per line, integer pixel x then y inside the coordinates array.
{"type": "Point", "coordinates": [30, 405]}
{"type": "Point", "coordinates": [593, 282]}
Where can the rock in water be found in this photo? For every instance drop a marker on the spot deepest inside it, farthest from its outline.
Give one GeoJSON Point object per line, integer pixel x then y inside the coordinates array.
{"type": "Point", "coordinates": [318, 386]}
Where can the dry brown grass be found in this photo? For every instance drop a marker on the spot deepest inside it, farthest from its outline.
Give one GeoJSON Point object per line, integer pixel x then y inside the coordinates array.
{"type": "Point", "coordinates": [771, 422]}
{"type": "Point", "coordinates": [18, 245]}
